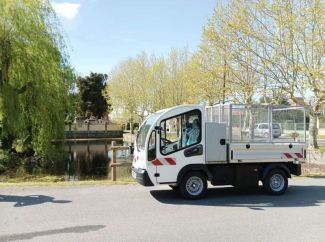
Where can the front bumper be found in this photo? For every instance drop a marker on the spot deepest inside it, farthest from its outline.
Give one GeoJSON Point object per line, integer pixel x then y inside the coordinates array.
{"type": "Point", "coordinates": [141, 176]}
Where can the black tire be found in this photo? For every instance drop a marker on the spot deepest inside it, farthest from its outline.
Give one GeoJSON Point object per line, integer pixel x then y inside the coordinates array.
{"type": "Point", "coordinates": [276, 182]}
{"type": "Point", "coordinates": [174, 187]}
{"type": "Point", "coordinates": [193, 185]}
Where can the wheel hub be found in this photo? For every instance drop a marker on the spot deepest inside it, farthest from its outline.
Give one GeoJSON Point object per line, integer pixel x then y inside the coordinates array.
{"type": "Point", "coordinates": [277, 182]}
{"type": "Point", "coordinates": [194, 185]}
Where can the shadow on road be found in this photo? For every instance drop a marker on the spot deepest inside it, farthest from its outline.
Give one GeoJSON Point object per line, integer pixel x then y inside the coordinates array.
{"type": "Point", "coordinates": [31, 235]}
{"type": "Point", "coordinates": [21, 201]}
{"type": "Point", "coordinates": [295, 196]}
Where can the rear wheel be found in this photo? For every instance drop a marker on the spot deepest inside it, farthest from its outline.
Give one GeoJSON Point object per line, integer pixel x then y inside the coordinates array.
{"type": "Point", "coordinates": [193, 185]}
{"type": "Point", "coordinates": [276, 182]}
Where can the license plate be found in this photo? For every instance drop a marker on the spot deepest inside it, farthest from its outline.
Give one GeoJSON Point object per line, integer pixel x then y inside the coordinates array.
{"type": "Point", "coordinates": [134, 175]}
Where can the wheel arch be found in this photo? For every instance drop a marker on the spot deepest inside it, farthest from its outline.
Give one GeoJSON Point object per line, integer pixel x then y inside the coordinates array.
{"type": "Point", "coordinates": [273, 166]}
{"type": "Point", "coordinates": [194, 167]}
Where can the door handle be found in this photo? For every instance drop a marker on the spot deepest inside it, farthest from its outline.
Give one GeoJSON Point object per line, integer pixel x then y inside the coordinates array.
{"type": "Point", "coordinates": [196, 150]}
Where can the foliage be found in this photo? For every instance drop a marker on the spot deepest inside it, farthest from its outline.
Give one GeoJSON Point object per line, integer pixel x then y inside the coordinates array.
{"type": "Point", "coordinates": [73, 109]}
{"type": "Point", "coordinates": [142, 85]}
{"type": "Point", "coordinates": [34, 74]}
{"type": "Point", "coordinates": [268, 51]}
{"type": "Point", "coordinates": [274, 49]}
{"type": "Point", "coordinates": [91, 91]}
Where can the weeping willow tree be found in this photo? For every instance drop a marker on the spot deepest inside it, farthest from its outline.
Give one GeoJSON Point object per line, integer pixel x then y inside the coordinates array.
{"type": "Point", "coordinates": [34, 75]}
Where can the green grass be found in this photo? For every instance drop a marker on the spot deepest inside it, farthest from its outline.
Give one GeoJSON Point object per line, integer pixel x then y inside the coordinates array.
{"type": "Point", "coordinates": [320, 175]}
{"type": "Point", "coordinates": [321, 136]}
{"type": "Point", "coordinates": [322, 149]}
{"type": "Point", "coordinates": [30, 180]}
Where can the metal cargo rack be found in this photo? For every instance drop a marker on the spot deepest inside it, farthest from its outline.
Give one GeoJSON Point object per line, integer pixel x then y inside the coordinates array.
{"type": "Point", "coordinates": [255, 123]}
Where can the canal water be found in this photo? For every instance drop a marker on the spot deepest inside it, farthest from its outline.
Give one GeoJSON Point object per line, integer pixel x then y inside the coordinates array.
{"type": "Point", "coordinates": [91, 159]}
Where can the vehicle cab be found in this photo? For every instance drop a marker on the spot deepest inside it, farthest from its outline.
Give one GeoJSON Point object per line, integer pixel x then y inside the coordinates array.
{"type": "Point", "coordinates": [168, 141]}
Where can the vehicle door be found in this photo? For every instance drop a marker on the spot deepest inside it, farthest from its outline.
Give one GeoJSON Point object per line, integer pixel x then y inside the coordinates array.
{"type": "Point", "coordinates": [180, 144]}
{"type": "Point", "coordinates": [256, 130]}
{"type": "Point", "coordinates": [265, 132]}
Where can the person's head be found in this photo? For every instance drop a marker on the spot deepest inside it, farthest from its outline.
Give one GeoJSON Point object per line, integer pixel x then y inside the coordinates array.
{"type": "Point", "coordinates": [196, 123]}
{"type": "Point", "coordinates": [186, 122]}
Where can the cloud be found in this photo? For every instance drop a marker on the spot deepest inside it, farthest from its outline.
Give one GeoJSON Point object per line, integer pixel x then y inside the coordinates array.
{"type": "Point", "coordinates": [66, 9]}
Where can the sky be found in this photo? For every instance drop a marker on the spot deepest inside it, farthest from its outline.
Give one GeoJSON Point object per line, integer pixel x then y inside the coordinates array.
{"type": "Point", "coordinates": [100, 34]}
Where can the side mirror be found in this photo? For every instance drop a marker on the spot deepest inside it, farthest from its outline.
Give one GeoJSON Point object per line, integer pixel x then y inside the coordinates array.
{"type": "Point", "coordinates": [158, 128]}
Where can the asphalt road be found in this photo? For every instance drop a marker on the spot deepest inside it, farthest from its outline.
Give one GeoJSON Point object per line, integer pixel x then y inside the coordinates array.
{"type": "Point", "coordinates": [136, 213]}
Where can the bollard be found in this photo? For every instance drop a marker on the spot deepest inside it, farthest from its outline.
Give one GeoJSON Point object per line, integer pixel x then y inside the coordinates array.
{"type": "Point", "coordinates": [114, 163]}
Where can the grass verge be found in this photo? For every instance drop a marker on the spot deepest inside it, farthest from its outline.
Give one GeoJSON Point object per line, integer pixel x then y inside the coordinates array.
{"type": "Point", "coordinates": [315, 175]}
{"type": "Point", "coordinates": [308, 170]}
{"type": "Point", "coordinates": [29, 180]}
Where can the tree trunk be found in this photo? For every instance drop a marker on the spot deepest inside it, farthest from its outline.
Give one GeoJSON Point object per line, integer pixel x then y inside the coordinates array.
{"type": "Point", "coordinates": [251, 125]}
{"type": "Point", "coordinates": [131, 126]}
{"type": "Point", "coordinates": [224, 83]}
{"type": "Point", "coordinates": [312, 140]}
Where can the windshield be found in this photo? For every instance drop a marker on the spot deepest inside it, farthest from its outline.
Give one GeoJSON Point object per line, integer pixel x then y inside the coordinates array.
{"type": "Point", "coordinates": [275, 126]}
{"type": "Point", "coordinates": [142, 134]}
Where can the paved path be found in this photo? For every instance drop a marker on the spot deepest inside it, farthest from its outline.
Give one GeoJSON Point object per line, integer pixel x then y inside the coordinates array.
{"type": "Point", "coordinates": [136, 213]}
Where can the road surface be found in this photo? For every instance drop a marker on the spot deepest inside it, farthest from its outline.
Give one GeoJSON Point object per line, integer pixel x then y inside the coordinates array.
{"type": "Point", "coordinates": [136, 213]}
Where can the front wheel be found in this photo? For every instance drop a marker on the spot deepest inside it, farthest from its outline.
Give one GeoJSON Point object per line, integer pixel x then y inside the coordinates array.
{"type": "Point", "coordinates": [276, 182]}
{"type": "Point", "coordinates": [193, 185]}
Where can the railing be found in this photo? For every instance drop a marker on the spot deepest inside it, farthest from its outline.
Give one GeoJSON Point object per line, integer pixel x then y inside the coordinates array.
{"type": "Point", "coordinates": [88, 130]}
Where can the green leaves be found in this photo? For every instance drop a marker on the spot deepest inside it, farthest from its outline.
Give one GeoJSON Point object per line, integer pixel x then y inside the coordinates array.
{"type": "Point", "coordinates": [91, 90]}
{"type": "Point", "coordinates": [143, 85]}
{"type": "Point", "coordinates": [35, 73]}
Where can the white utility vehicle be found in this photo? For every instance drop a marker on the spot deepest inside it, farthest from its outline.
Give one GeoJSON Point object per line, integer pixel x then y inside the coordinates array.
{"type": "Point", "coordinates": [186, 146]}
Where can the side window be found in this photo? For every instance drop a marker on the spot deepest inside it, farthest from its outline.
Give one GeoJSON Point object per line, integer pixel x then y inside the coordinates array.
{"type": "Point", "coordinates": [170, 134]}
{"type": "Point", "coordinates": [180, 132]}
{"type": "Point", "coordinates": [152, 146]}
{"type": "Point", "coordinates": [264, 126]}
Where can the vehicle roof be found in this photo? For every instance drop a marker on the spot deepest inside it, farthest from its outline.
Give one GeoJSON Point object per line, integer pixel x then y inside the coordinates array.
{"type": "Point", "coordinates": [267, 123]}
{"type": "Point", "coordinates": [177, 107]}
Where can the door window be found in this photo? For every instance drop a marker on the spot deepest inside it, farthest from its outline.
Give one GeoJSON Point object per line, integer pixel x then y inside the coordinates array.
{"type": "Point", "coordinates": [152, 146]}
{"type": "Point", "coordinates": [180, 132]}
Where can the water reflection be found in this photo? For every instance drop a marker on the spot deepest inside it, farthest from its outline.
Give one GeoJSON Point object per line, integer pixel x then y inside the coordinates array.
{"type": "Point", "coordinates": [91, 159]}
